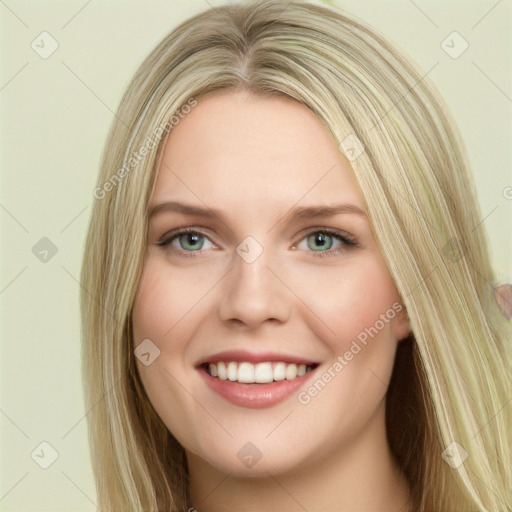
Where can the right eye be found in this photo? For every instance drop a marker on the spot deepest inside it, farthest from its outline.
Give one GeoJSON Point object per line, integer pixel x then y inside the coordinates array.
{"type": "Point", "coordinates": [185, 240]}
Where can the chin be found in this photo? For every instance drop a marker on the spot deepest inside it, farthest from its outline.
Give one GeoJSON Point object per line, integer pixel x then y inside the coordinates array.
{"type": "Point", "coordinates": [252, 460]}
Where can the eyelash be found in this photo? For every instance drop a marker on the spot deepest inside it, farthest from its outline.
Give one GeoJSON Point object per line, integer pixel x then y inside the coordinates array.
{"type": "Point", "coordinates": [347, 241]}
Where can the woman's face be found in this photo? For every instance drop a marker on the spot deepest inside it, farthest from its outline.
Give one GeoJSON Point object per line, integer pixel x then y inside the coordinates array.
{"type": "Point", "coordinates": [267, 288]}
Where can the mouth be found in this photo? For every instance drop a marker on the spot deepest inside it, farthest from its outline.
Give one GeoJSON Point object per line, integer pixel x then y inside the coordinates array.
{"type": "Point", "coordinates": [255, 380]}
{"type": "Point", "coordinates": [245, 372]}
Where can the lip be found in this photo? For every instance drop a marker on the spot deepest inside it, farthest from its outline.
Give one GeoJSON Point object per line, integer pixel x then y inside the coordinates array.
{"type": "Point", "coordinates": [240, 356]}
{"type": "Point", "coordinates": [254, 396]}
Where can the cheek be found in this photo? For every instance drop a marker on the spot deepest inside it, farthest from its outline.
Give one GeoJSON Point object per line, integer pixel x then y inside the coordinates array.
{"type": "Point", "coordinates": [349, 300]}
{"type": "Point", "coordinates": [165, 312]}
{"type": "Point", "coordinates": [156, 308]}
{"type": "Point", "coordinates": [166, 302]}
{"type": "Point", "coordinates": [160, 315]}
{"type": "Point", "coordinates": [361, 306]}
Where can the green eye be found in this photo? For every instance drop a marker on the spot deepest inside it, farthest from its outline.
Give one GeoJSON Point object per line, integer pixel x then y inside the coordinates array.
{"type": "Point", "coordinates": [326, 242]}
{"type": "Point", "coordinates": [191, 241]}
{"type": "Point", "coordinates": [187, 241]}
{"type": "Point", "coordinates": [320, 240]}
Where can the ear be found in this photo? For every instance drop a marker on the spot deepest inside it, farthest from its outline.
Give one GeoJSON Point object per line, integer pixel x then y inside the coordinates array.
{"type": "Point", "coordinates": [401, 323]}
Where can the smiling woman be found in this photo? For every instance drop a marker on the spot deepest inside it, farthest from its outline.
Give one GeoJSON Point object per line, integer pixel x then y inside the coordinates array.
{"type": "Point", "coordinates": [280, 311]}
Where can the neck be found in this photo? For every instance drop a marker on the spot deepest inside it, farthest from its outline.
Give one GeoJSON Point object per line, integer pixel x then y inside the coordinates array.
{"type": "Point", "coordinates": [358, 475]}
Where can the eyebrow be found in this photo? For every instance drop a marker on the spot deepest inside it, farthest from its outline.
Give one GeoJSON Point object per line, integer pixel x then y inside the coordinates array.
{"type": "Point", "coordinates": [300, 213]}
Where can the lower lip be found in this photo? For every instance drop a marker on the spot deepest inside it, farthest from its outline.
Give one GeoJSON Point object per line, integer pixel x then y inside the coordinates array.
{"type": "Point", "coordinates": [254, 396]}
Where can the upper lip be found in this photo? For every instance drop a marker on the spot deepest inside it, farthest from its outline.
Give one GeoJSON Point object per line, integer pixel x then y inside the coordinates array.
{"type": "Point", "coordinates": [254, 357]}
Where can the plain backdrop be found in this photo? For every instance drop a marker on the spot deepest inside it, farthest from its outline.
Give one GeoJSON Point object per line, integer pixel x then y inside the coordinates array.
{"type": "Point", "coordinates": [55, 115]}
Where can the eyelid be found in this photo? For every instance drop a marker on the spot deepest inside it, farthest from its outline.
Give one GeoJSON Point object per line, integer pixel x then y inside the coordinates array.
{"type": "Point", "coordinates": [346, 236]}
{"type": "Point", "coordinates": [166, 239]}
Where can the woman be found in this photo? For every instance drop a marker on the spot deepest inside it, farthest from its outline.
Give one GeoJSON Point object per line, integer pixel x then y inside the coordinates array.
{"type": "Point", "coordinates": [287, 298]}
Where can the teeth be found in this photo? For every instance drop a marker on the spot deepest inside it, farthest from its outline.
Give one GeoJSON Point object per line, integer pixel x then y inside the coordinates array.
{"type": "Point", "coordinates": [263, 373]}
{"type": "Point", "coordinates": [280, 371]}
{"type": "Point", "coordinates": [232, 371]}
{"type": "Point", "coordinates": [245, 372]}
{"type": "Point", "coordinates": [260, 373]}
{"type": "Point", "coordinates": [291, 372]}
{"type": "Point", "coordinates": [221, 370]}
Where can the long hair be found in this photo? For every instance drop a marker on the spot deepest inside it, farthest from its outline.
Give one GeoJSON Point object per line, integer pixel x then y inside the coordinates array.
{"type": "Point", "coordinates": [448, 409]}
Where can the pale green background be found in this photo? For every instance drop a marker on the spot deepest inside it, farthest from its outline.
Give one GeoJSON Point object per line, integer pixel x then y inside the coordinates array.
{"type": "Point", "coordinates": [55, 116]}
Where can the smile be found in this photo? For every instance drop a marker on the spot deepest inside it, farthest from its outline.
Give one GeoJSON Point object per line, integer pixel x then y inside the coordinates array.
{"type": "Point", "coordinates": [255, 380]}
{"type": "Point", "coordinates": [260, 373]}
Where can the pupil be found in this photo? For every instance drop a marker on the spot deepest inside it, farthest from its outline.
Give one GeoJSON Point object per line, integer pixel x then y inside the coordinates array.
{"type": "Point", "coordinates": [192, 239]}
{"type": "Point", "coordinates": [321, 241]}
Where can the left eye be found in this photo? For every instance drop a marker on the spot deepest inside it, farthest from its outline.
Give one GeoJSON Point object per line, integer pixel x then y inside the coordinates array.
{"type": "Point", "coordinates": [322, 241]}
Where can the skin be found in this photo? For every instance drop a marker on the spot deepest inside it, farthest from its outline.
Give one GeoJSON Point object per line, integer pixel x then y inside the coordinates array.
{"type": "Point", "coordinates": [255, 159]}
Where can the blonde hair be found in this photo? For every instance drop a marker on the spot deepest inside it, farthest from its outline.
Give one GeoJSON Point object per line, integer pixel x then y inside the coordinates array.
{"type": "Point", "coordinates": [451, 378]}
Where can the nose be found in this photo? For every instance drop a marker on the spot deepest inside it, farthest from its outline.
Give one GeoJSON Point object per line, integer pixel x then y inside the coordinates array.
{"type": "Point", "coordinates": [254, 294]}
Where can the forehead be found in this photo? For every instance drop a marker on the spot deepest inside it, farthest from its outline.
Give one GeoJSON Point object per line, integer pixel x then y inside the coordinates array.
{"type": "Point", "coordinates": [236, 148]}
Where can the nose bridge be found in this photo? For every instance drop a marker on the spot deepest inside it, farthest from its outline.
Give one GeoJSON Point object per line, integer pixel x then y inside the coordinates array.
{"type": "Point", "coordinates": [252, 293]}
